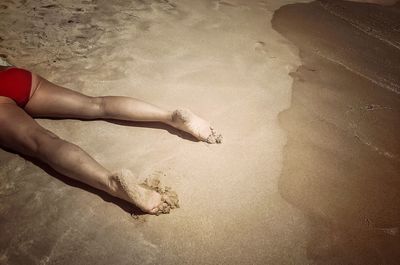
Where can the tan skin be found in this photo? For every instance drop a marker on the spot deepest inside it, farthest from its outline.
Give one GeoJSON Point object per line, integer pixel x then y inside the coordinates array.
{"type": "Point", "coordinates": [22, 134]}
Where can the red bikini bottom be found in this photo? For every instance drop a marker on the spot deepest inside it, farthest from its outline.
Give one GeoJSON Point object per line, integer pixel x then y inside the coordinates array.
{"type": "Point", "coordinates": [15, 83]}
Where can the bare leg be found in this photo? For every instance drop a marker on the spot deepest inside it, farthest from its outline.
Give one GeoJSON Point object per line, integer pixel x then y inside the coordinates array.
{"type": "Point", "coordinates": [51, 100]}
{"type": "Point", "coordinates": [21, 133]}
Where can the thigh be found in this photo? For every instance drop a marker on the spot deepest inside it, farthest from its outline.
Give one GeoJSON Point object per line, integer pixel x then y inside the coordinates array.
{"type": "Point", "coordinates": [18, 131]}
{"type": "Point", "coordinates": [51, 100]}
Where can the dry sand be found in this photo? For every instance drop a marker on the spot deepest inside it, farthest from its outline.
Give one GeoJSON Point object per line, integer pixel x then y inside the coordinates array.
{"type": "Point", "coordinates": [223, 60]}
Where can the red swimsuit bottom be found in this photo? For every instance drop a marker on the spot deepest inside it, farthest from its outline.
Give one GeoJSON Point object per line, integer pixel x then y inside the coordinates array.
{"type": "Point", "coordinates": [15, 83]}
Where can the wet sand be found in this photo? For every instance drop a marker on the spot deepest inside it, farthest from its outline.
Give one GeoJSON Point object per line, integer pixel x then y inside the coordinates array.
{"type": "Point", "coordinates": [247, 201]}
{"type": "Point", "coordinates": [342, 159]}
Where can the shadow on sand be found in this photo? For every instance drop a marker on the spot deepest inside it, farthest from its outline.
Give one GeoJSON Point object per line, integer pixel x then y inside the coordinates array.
{"type": "Point", "coordinates": [125, 206]}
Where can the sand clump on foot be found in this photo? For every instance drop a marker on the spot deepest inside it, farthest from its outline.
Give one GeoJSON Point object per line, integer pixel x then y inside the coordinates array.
{"type": "Point", "coordinates": [169, 198]}
{"type": "Point", "coordinates": [187, 121]}
{"type": "Point", "coordinates": [150, 196]}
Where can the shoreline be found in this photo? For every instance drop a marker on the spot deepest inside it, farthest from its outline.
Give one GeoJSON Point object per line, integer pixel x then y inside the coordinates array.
{"type": "Point", "coordinates": [342, 149]}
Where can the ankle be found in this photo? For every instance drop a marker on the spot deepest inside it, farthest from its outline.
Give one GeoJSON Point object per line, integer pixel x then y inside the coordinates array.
{"type": "Point", "coordinates": [168, 118]}
{"type": "Point", "coordinates": [112, 184]}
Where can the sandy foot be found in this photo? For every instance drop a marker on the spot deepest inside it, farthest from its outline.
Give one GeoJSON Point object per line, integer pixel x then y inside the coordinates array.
{"type": "Point", "coordinates": [169, 198]}
{"type": "Point", "coordinates": [150, 196]}
{"type": "Point", "coordinates": [187, 121]}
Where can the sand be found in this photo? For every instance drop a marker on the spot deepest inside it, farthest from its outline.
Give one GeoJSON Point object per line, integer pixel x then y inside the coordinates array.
{"type": "Point", "coordinates": [240, 202]}
{"type": "Point", "coordinates": [378, 2]}
{"type": "Point", "coordinates": [222, 60]}
{"type": "Point", "coordinates": [342, 163]}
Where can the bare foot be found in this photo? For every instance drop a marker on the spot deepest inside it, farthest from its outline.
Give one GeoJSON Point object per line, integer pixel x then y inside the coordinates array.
{"type": "Point", "coordinates": [127, 188]}
{"type": "Point", "coordinates": [169, 197]}
{"type": "Point", "coordinates": [187, 121]}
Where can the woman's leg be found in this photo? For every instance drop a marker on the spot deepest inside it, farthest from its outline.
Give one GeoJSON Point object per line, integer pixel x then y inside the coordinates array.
{"type": "Point", "coordinates": [19, 132]}
{"type": "Point", "coordinates": [50, 100]}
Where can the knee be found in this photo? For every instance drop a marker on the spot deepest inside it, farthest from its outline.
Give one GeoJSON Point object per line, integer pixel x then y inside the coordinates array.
{"type": "Point", "coordinates": [97, 106]}
{"type": "Point", "coordinates": [51, 149]}
{"type": "Point", "coordinates": [37, 143]}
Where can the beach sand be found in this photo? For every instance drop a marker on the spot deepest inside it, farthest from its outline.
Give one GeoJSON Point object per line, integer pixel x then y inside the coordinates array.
{"type": "Point", "coordinates": [342, 159]}
{"type": "Point", "coordinates": [329, 197]}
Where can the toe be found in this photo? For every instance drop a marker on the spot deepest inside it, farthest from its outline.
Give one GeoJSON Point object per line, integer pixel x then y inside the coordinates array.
{"type": "Point", "coordinates": [158, 210]}
{"type": "Point", "coordinates": [167, 200]}
{"type": "Point", "coordinates": [161, 209]}
{"type": "Point", "coordinates": [214, 137]}
{"type": "Point", "coordinates": [165, 208]}
{"type": "Point", "coordinates": [210, 139]}
{"type": "Point", "coordinates": [217, 136]}
{"type": "Point", "coordinates": [155, 210]}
